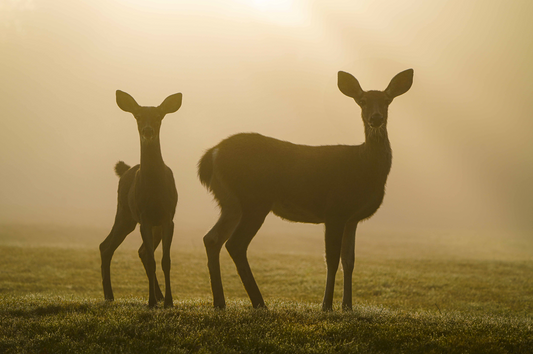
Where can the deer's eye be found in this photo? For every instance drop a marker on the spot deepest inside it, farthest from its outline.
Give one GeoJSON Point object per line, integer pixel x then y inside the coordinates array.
{"type": "Point", "coordinates": [362, 102]}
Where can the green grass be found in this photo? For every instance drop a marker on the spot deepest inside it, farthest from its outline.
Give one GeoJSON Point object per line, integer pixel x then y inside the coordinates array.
{"type": "Point", "coordinates": [75, 325]}
{"type": "Point", "coordinates": [51, 301]}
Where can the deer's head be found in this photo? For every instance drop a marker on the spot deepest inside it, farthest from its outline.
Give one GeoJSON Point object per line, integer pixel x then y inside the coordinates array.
{"type": "Point", "coordinates": [374, 104]}
{"type": "Point", "coordinates": [148, 118]}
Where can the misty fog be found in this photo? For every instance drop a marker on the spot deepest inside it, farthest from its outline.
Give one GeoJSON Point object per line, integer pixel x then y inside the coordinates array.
{"type": "Point", "coordinates": [461, 137]}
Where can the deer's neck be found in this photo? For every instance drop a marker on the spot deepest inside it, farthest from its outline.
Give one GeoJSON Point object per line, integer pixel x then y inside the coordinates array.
{"type": "Point", "coordinates": [378, 150]}
{"type": "Point", "coordinates": [152, 165]}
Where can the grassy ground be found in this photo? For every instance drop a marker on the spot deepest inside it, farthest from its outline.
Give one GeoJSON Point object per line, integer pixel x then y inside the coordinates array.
{"type": "Point", "coordinates": [51, 302]}
{"type": "Point", "coordinates": [70, 324]}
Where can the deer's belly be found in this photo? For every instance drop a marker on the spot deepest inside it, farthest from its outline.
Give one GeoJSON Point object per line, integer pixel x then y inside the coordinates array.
{"type": "Point", "coordinates": [294, 212]}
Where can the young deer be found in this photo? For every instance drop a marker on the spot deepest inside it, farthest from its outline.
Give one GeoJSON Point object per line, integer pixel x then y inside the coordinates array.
{"type": "Point", "coordinates": [251, 175]}
{"type": "Point", "coordinates": [146, 195]}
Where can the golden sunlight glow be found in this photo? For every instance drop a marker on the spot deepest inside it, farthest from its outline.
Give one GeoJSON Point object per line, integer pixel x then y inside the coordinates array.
{"type": "Point", "coordinates": [281, 12]}
{"type": "Point", "coordinates": [273, 5]}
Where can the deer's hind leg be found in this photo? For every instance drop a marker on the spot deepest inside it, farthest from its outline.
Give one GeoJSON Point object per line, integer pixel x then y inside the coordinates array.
{"type": "Point", "coordinates": [144, 258]}
{"type": "Point", "coordinates": [230, 215]}
{"type": "Point", "coordinates": [213, 241]}
{"type": "Point", "coordinates": [123, 226]}
{"type": "Point", "coordinates": [253, 216]}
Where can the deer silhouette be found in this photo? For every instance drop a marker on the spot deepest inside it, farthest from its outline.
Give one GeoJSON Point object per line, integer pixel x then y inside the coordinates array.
{"type": "Point", "coordinates": [147, 196]}
{"type": "Point", "coordinates": [250, 175]}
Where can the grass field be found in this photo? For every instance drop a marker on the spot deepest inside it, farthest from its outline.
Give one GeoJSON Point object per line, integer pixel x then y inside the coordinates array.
{"type": "Point", "coordinates": [409, 297]}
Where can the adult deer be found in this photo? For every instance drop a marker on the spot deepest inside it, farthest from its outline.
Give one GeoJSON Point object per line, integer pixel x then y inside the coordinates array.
{"type": "Point", "coordinates": [251, 175]}
{"type": "Point", "coordinates": [147, 196]}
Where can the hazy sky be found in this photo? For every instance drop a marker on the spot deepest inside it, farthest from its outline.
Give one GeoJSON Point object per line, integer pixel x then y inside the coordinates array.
{"type": "Point", "coordinates": [462, 137]}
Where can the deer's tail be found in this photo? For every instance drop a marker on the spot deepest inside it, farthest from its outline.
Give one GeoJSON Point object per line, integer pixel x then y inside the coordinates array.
{"type": "Point", "coordinates": [205, 168]}
{"type": "Point", "coordinates": [121, 168]}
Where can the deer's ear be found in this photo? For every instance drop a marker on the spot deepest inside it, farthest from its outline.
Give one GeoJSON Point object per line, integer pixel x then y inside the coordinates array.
{"type": "Point", "coordinates": [349, 85]}
{"type": "Point", "coordinates": [126, 102]}
{"type": "Point", "coordinates": [400, 84]}
{"type": "Point", "coordinates": [171, 104]}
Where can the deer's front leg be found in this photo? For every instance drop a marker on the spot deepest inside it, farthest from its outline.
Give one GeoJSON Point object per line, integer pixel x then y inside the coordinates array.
{"type": "Point", "coordinates": [168, 233]}
{"type": "Point", "coordinates": [348, 262]}
{"type": "Point", "coordinates": [334, 232]}
{"type": "Point", "coordinates": [146, 233]}
{"type": "Point", "coordinates": [156, 233]}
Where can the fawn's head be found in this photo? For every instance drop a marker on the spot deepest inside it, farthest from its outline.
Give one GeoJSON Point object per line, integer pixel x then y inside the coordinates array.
{"type": "Point", "coordinates": [374, 104]}
{"type": "Point", "coordinates": [148, 118]}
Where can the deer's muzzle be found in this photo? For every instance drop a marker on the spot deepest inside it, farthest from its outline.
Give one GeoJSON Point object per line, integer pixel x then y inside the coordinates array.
{"type": "Point", "coordinates": [376, 120]}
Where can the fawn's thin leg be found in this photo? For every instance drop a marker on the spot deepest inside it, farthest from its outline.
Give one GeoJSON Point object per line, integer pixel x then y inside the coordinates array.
{"type": "Point", "coordinates": [156, 232]}
{"type": "Point", "coordinates": [146, 233]}
{"type": "Point", "coordinates": [348, 261]}
{"type": "Point", "coordinates": [123, 226]}
{"type": "Point", "coordinates": [168, 233]}
{"type": "Point", "coordinates": [213, 242]}
{"type": "Point", "coordinates": [237, 245]}
{"type": "Point", "coordinates": [334, 232]}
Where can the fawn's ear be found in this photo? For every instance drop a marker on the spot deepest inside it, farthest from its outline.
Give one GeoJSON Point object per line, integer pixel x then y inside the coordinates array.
{"type": "Point", "coordinates": [171, 104]}
{"type": "Point", "coordinates": [349, 85]}
{"type": "Point", "coordinates": [126, 102]}
{"type": "Point", "coordinates": [400, 84]}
